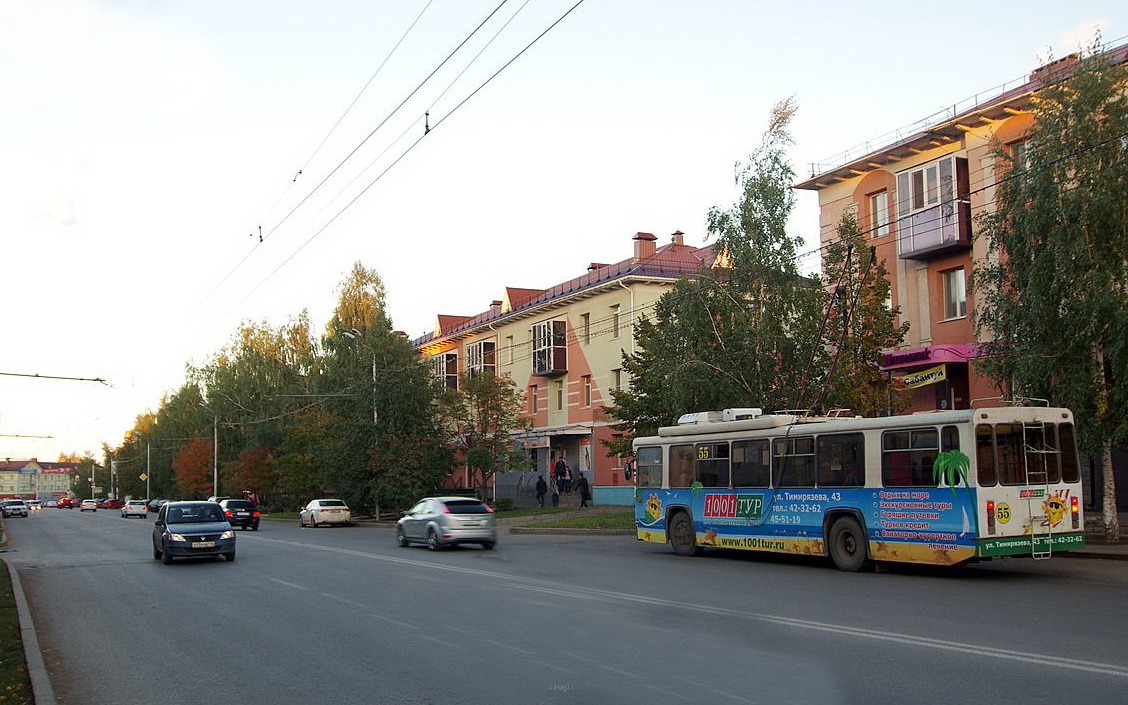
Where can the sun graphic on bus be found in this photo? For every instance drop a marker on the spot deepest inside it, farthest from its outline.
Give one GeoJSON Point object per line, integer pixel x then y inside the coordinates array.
{"type": "Point", "coordinates": [1054, 505]}
{"type": "Point", "coordinates": [653, 509]}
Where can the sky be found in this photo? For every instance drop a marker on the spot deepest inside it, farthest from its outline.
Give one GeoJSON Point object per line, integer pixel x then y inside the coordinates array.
{"type": "Point", "coordinates": [144, 143]}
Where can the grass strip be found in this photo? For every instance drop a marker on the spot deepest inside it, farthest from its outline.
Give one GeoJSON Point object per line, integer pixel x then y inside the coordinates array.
{"type": "Point", "coordinates": [15, 686]}
{"type": "Point", "coordinates": [618, 520]}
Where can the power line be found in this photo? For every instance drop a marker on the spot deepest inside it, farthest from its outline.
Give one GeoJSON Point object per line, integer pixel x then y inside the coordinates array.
{"type": "Point", "coordinates": [39, 376]}
{"type": "Point", "coordinates": [401, 156]}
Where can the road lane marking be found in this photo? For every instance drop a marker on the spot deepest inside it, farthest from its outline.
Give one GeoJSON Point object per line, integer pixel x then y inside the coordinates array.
{"type": "Point", "coordinates": [546, 664]}
{"type": "Point", "coordinates": [393, 621]}
{"type": "Point", "coordinates": [440, 641]}
{"type": "Point", "coordinates": [580, 592]}
{"type": "Point", "coordinates": [290, 585]}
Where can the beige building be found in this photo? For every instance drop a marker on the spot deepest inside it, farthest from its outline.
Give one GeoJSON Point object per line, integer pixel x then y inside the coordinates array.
{"type": "Point", "coordinates": [917, 198]}
{"type": "Point", "coordinates": [30, 479]}
{"type": "Point", "coordinates": [563, 346]}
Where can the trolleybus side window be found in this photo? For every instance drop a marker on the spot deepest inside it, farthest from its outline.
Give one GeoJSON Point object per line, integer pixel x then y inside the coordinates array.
{"type": "Point", "coordinates": [907, 457]}
{"type": "Point", "coordinates": [793, 462]}
{"type": "Point", "coordinates": [986, 473]}
{"type": "Point", "coordinates": [751, 466]}
{"type": "Point", "coordinates": [682, 461]}
{"type": "Point", "coordinates": [1070, 469]}
{"type": "Point", "coordinates": [649, 471]}
{"type": "Point", "coordinates": [713, 464]}
{"type": "Point", "coordinates": [841, 460]}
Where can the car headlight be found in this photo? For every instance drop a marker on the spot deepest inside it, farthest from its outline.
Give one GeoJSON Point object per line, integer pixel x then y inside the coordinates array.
{"type": "Point", "coordinates": [229, 534]}
{"type": "Point", "coordinates": [176, 537]}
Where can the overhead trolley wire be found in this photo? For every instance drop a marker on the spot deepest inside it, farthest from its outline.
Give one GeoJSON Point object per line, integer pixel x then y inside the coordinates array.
{"type": "Point", "coordinates": [407, 151]}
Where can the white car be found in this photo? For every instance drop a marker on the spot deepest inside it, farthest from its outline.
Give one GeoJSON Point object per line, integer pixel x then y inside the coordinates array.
{"type": "Point", "coordinates": [135, 508]}
{"type": "Point", "coordinates": [324, 511]}
{"type": "Point", "coordinates": [15, 508]}
{"type": "Point", "coordinates": [88, 504]}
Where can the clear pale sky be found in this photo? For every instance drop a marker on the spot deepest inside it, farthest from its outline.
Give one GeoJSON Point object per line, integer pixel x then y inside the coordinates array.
{"type": "Point", "coordinates": [143, 143]}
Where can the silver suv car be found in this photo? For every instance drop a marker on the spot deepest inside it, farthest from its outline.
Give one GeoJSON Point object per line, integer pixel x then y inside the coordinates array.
{"type": "Point", "coordinates": [447, 521]}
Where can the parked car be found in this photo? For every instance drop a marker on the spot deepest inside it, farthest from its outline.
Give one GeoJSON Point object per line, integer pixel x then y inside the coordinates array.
{"type": "Point", "coordinates": [15, 508]}
{"type": "Point", "coordinates": [186, 529]}
{"type": "Point", "coordinates": [135, 508]}
{"type": "Point", "coordinates": [52, 503]}
{"type": "Point", "coordinates": [447, 521]}
{"type": "Point", "coordinates": [156, 504]}
{"type": "Point", "coordinates": [241, 512]}
{"type": "Point", "coordinates": [111, 503]}
{"type": "Point", "coordinates": [324, 511]}
{"type": "Point", "coordinates": [88, 505]}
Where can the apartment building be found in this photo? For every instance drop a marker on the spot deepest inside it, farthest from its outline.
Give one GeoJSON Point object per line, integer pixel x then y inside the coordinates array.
{"type": "Point", "coordinates": [31, 479]}
{"type": "Point", "coordinates": [917, 198]}
{"type": "Point", "coordinates": [563, 346]}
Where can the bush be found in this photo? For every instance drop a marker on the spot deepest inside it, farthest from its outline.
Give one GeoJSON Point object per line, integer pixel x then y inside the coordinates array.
{"type": "Point", "coordinates": [505, 504]}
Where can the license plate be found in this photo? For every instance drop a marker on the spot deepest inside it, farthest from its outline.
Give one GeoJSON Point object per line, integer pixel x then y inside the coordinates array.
{"type": "Point", "coordinates": [471, 523]}
{"type": "Point", "coordinates": [203, 544]}
{"type": "Point", "coordinates": [241, 514]}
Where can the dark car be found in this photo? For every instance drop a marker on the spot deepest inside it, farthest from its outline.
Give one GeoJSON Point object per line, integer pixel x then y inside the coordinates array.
{"type": "Point", "coordinates": [156, 504]}
{"type": "Point", "coordinates": [185, 529]}
{"type": "Point", "coordinates": [241, 512]}
{"type": "Point", "coordinates": [111, 503]}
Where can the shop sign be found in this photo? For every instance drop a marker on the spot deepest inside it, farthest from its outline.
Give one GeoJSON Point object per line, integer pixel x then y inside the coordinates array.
{"type": "Point", "coordinates": [925, 377]}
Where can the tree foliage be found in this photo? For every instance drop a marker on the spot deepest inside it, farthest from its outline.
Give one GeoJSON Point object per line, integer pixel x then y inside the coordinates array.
{"type": "Point", "coordinates": [484, 414]}
{"type": "Point", "coordinates": [860, 325]}
{"type": "Point", "coordinates": [1052, 295]}
{"type": "Point", "coordinates": [740, 332]}
{"type": "Point", "coordinates": [193, 468]}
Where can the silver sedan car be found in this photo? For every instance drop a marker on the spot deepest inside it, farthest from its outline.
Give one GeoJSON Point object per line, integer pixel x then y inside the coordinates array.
{"type": "Point", "coordinates": [448, 521]}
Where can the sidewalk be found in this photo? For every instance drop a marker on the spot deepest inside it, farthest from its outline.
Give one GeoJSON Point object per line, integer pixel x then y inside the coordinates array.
{"type": "Point", "coordinates": [1095, 544]}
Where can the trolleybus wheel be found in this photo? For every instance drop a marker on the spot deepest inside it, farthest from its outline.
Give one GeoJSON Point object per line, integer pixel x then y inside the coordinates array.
{"type": "Point", "coordinates": [848, 545]}
{"type": "Point", "coordinates": [682, 536]}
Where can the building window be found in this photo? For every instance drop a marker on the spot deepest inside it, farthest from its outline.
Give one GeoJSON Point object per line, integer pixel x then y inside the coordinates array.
{"type": "Point", "coordinates": [558, 388]}
{"type": "Point", "coordinates": [509, 349]}
{"type": "Point", "coordinates": [879, 214]}
{"type": "Point", "coordinates": [615, 321]}
{"type": "Point", "coordinates": [616, 379]}
{"type": "Point", "coordinates": [532, 398]}
{"type": "Point", "coordinates": [550, 351]}
{"type": "Point", "coordinates": [587, 391]}
{"type": "Point", "coordinates": [445, 366]}
{"type": "Point", "coordinates": [481, 357]}
{"type": "Point", "coordinates": [933, 213]}
{"type": "Point", "coordinates": [955, 293]}
{"type": "Point", "coordinates": [585, 321]}
{"type": "Point", "coordinates": [1019, 152]}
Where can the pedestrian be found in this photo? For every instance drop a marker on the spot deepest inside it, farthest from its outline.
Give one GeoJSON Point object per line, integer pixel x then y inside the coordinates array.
{"type": "Point", "coordinates": [567, 478]}
{"type": "Point", "coordinates": [584, 490]}
{"type": "Point", "coordinates": [555, 490]}
{"type": "Point", "coordinates": [558, 471]}
{"type": "Point", "coordinates": [542, 487]}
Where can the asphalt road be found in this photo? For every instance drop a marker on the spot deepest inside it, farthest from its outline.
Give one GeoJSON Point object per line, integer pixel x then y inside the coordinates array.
{"type": "Point", "coordinates": [343, 615]}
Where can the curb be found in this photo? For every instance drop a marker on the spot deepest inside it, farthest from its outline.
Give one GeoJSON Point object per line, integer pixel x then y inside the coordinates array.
{"type": "Point", "coordinates": [565, 531]}
{"type": "Point", "coordinates": [41, 688]}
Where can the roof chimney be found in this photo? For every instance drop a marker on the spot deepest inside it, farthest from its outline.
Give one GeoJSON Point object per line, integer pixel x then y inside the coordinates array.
{"type": "Point", "coordinates": [495, 306]}
{"type": "Point", "coordinates": [678, 237]}
{"type": "Point", "coordinates": [596, 265]}
{"type": "Point", "coordinates": [644, 246]}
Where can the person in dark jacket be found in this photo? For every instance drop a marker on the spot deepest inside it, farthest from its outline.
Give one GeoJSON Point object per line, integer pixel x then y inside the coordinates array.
{"type": "Point", "coordinates": [584, 490]}
{"type": "Point", "coordinates": [542, 488]}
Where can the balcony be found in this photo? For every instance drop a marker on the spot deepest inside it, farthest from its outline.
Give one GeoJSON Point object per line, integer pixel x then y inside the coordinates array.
{"type": "Point", "coordinates": [936, 231]}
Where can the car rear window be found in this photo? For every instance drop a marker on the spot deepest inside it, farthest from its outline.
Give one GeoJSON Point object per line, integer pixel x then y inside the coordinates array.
{"type": "Point", "coordinates": [239, 504]}
{"type": "Point", "coordinates": [332, 503]}
{"type": "Point", "coordinates": [466, 506]}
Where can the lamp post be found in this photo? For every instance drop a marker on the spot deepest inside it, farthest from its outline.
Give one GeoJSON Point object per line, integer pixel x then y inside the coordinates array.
{"type": "Point", "coordinates": [148, 465]}
{"type": "Point", "coordinates": [215, 450]}
{"type": "Point", "coordinates": [354, 334]}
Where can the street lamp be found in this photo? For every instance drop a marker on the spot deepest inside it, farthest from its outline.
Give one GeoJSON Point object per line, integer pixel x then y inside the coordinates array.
{"type": "Point", "coordinates": [148, 467]}
{"type": "Point", "coordinates": [354, 334]}
{"type": "Point", "coordinates": [215, 450]}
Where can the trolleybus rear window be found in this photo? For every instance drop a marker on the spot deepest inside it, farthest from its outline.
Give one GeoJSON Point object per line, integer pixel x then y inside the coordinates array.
{"type": "Point", "coordinates": [1035, 454]}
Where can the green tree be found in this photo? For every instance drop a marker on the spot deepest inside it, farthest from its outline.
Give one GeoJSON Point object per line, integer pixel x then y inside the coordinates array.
{"type": "Point", "coordinates": [1051, 295]}
{"type": "Point", "coordinates": [739, 333]}
{"type": "Point", "coordinates": [384, 441]}
{"type": "Point", "coordinates": [859, 326]}
{"type": "Point", "coordinates": [484, 414]}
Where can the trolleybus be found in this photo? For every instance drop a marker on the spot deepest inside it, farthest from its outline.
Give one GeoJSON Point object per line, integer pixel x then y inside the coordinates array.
{"type": "Point", "coordinates": [942, 488]}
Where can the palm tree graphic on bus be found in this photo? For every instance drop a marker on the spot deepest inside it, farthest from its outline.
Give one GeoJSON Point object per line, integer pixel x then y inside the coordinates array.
{"type": "Point", "coordinates": [950, 468]}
